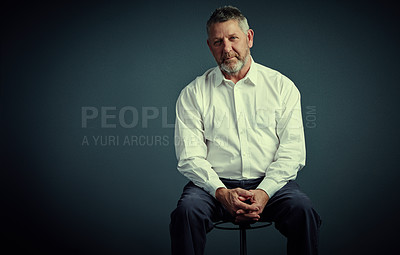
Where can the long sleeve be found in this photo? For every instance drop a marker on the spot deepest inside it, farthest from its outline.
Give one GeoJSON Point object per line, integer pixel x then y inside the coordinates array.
{"type": "Point", "coordinates": [190, 143]}
{"type": "Point", "coordinates": [291, 153]}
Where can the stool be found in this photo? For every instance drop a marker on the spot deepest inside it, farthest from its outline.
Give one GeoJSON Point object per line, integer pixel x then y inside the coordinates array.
{"type": "Point", "coordinates": [242, 227]}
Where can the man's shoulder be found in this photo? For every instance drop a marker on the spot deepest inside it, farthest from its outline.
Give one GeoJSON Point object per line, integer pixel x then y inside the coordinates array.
{"type": "Point", "coordinates": [268, 71]}
{"type": "Point", "coordinates": [273, 75]}
{"type": "Point", "coordinates": [201, 81]}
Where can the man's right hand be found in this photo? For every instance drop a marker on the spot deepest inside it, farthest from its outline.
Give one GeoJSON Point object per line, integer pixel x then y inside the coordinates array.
{"type": "Point", "coordinates": [233, 200]}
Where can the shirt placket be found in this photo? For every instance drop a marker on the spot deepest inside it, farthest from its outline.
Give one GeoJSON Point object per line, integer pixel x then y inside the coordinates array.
{"type": "Point", "coordinates": [240, 108]}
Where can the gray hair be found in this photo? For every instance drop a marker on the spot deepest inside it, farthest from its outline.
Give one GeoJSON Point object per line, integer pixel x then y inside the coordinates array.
{"type": "Point", "coordinates": [226, 13]}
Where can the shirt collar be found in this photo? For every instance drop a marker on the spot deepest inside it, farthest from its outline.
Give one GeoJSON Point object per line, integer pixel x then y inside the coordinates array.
{"type": "Point", "coordinates": [251, 76]}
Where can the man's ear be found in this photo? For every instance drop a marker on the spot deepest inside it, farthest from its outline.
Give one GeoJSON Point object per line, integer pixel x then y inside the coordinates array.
{"type": "Point", "coordinates": [208, 43]}
{"type": "Point", "coordinates": [250, 37]}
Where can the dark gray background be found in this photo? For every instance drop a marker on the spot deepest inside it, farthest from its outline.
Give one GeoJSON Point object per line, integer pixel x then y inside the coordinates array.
{"type": "Point", "coordinates": [64, 198]}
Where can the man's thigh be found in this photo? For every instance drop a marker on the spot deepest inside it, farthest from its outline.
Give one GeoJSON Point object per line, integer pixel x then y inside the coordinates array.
{"type": "Point", "coordinates": [288, 197]}
{"type": "Point", "coordinates": [197, 201]}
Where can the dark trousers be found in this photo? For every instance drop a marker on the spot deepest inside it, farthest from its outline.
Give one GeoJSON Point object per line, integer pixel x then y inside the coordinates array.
{"type": "Point", "coordinates": [290, 210]}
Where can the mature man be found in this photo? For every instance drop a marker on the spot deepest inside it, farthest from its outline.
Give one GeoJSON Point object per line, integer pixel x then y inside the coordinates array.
{"type": "Point", "coordinates": [239, 140]}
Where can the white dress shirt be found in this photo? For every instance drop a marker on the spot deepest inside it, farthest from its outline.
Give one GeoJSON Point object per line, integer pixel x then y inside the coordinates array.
{"type": "Point", "coordinates": [240, 131]}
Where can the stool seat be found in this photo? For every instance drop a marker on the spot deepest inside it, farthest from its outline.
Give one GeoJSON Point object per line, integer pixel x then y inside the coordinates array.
{"type": "Point", "coordinates": [242, 227]}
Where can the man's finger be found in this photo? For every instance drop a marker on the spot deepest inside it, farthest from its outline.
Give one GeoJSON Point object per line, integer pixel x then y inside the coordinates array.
{"type": "Point", "coordinates": [247, 207]}
{"type": "Point", "coordinates": [252, 215]}
{"type": "Point", "coordinates": [248, 217]}
{"type": "Point", "coordinates": [241, 218]}
{"type": "Point", "coordinates": [241, 211]}
{"type": "Point", "coordinates": [241, 198]}
{"type": "Point", "coordinates": [244, 193]}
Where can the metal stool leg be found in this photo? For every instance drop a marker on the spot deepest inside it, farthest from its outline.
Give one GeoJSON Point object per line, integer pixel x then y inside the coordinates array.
{"type": "Point", "coordinates": [243, 246]}
{"type": "Point", "coordinates": [242, 228]}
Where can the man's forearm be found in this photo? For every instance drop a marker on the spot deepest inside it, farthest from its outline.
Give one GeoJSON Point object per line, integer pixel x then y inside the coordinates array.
{"type": "Point", "coordinates": [199, 171]}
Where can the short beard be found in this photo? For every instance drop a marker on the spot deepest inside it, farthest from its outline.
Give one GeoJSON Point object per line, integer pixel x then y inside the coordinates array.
{"type": "Point", "coordinates": [233, 70]}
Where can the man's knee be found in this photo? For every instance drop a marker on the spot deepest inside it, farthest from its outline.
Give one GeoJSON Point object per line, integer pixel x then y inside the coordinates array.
{"type": "Point", "coordinates": [188, 205]}
{"type": "Point", "coordinates": [300, 203]}
{"type": "Point", "coordinates": [193, 205]}
{"type": "Point", "coordinates": [300, 212]}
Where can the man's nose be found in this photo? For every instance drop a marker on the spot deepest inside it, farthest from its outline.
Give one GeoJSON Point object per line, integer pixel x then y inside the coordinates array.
{"type": "Point", "coordinates": [227, 46]}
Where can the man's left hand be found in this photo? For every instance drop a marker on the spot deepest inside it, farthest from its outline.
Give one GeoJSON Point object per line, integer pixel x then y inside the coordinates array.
{"type": "Point", "coordinates": [260, 199]}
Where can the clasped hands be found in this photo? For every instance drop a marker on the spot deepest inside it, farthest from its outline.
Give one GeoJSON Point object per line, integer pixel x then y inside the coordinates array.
{"type": "Point", "coordinates": [244, 205]}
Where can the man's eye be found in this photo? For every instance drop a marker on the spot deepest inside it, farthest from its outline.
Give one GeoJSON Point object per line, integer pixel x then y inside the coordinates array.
{"type": "Point", "coordinates": [217, 43]}
{"type": "Point", "coordinates": [233, 37]}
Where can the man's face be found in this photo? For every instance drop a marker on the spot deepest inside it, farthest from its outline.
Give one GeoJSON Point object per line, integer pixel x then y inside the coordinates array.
{"type": "Point", "coordinates": [229, 45]}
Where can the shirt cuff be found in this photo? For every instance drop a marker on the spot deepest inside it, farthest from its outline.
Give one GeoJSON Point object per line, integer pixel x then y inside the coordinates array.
{"type": "Point", "coordinates": [212, 185]}
{"type": "Point", "coordinates": [270, 186]}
